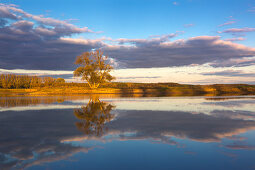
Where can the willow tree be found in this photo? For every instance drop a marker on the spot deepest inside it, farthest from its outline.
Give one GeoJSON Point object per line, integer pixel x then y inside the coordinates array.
{"type": "Point", "coordinates": [93, 68]}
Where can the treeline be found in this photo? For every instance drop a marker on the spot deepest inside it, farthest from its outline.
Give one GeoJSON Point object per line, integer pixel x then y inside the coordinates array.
{"type": "Point", "coordinates": [12, 81]}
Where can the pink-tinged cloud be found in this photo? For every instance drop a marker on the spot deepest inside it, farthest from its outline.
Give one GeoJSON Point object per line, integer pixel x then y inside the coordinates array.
{"type": "Point", "coordinates": [230, 73]}
{"type": "Point", "coordinates": [45, 31]}
{"type": "Point", "coordinates": [238, 30]}
{"type": "Point", "coordinates": [236, 39]}
{"type": "Point", "coordinates": [245, 61]}
{"type": "Point", "coordinates": [6, 13]}
{"type": "Point", "coordinates": [22, 25]}
{"type": "Point", "coordinates": [196, 50]}
{"type": "Point", "coordinates": [237, 146]}
{"type": "Point", "coordinates": [12, 12]}
{"type": "Point", "coordinates": [227, 23]}
{"type": "Point", "coordinates": [155, 40]}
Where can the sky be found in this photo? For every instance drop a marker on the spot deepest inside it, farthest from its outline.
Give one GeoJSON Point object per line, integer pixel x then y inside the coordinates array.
{"type": "Point", "coordinates": [182, 41]}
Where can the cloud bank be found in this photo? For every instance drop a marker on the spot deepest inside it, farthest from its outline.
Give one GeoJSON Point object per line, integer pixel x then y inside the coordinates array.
{"type": "Point", "coordinates": [196, 50]}
{"type": "Point", "coordinates": [30, 41]}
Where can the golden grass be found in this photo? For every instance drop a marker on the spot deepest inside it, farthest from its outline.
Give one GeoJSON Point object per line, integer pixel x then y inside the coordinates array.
{"type": "Point", "coordinates": [208, 90]}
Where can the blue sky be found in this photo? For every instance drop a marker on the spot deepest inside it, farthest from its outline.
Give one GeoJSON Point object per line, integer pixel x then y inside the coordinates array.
{"type": "Point", "coordinates": [142, 18]}
{"type": "Point", "coordinates": [180, 29]}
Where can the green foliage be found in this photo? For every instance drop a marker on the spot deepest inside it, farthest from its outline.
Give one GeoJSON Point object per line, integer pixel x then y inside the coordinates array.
{"type": "Point", "coordinates": [93, 68]}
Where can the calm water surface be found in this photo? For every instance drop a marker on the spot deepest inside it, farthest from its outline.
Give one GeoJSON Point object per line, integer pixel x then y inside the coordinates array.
{"type": "Point", "coordinates": [127, 133]}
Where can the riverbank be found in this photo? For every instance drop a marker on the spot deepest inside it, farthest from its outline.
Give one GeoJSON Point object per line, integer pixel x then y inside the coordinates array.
{"type": "Point", "coordinates": [178, 90]}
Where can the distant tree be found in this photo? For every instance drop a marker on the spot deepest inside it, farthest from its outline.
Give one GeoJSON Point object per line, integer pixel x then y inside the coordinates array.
{"type": "Point", "coordinates": [93, 68]}
{"type": "Point", "coordinates": [11, 81]}
{"type": "Point", "coordinates": [60, 80]}
{"type": "Point", "coordinates": [48, 81]}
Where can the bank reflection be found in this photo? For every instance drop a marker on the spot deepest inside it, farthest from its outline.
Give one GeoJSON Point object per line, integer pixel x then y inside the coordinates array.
{"type": "Point", "coordinates": [94, 116]}
{"type": "Point", "coordinates": [29, 101]}
{"type": "Point", "coordinates": [18, 101]}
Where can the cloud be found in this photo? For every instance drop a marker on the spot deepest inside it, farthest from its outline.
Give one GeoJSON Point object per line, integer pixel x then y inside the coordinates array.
{"type": "Point", "coordinates": [237, 62]}
{"type": "Point", "coordinates": [145, 77]}
{"type": "Point", "coordinates": [227, 23]}
{"type": "Point", "coordinates": [6, 13]}
{"type": "Point", "coordinates": [236, 39]}
{"type": "Point", "coordinates": [156, 40]}
{"type": "Point", "coordinates": [24, 47]}
{"type": "Point", "coordinates": [196, 50]}
{"type": "Point", "coordinates": [35, 42]}
{"type": "Point", "coordinates": [35, 72]}
{"type": "Point", "coordinates": [59, 25]}
{"type": "Point", "coordinates": [238, 31]}
{"type": "Point", "coordinates": [244, 147]}
{"type": "Point", "coordinates": [230, 73]}
{"type": "Point", "coordinates": [23, 25]}
{"type": "Point", "coordinates": [56, 27]}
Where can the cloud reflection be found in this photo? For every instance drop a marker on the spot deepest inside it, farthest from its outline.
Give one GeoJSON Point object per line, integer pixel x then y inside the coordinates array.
{"type": "Point", "coordinates": [36, 137]}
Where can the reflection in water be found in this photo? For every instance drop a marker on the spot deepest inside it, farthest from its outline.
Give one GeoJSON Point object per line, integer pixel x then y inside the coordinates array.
{"type": "Point", "coordinates": [163, 125]}
{"type": "Point", "coordinates": [93, 117]}
{"type": "Point", "coordinates": [28, 101]}
{"type": "Point", "coordinates": [7, 102]}
{"type": "Point", "coordinates": [222, 98]}
{"type": "Point", "coordinates": [29, 138]}
{"type": "Point", "coordinates": [34, 137]}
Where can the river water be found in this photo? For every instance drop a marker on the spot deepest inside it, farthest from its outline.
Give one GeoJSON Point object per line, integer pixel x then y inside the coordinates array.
{"type": "Point", "coordinates": [107, 132]}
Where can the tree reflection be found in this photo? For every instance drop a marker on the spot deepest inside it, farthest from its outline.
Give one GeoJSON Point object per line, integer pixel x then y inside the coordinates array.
{"type": "Point", "coordinates": [93, 117]}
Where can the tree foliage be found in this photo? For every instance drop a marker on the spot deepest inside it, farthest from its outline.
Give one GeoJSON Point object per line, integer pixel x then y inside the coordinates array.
{"type": "Point", "coordinates": [60, 80]}
{"type": "Point", "coordinates": [93, 68]}
{"type": "Point", "coordinates": [12, 81]}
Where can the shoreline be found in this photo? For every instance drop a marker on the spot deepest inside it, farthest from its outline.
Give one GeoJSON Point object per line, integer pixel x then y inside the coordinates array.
{"type": "Point", "coordinates": [194, 90]}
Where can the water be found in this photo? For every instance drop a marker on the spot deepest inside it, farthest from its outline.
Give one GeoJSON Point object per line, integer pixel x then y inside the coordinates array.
{"type": "Point", "coordinates": [127, 133]}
